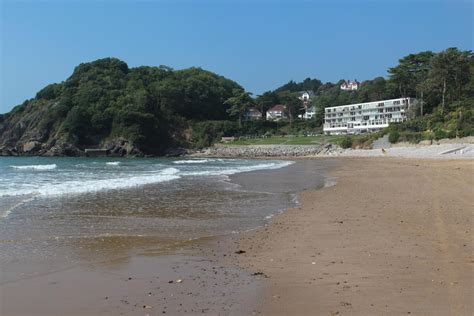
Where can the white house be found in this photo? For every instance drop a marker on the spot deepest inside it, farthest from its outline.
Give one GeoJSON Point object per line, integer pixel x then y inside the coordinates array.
{"type": "Point", "coordinates": [277, 112]}
{"type": "Point", "coordinates": [350, 85]}
{"type": "Point", "coordinates": [365, 117]}
{"type": "Point", "coordinates": [253, 114]}
{"type": "Point", "coordinates": [310, 113]}
{"type": "Point", "coordinates": [306, 96]}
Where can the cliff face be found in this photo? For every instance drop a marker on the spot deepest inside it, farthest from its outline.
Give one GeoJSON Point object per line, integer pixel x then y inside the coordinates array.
{"type": "Point", "coordinates": [104, 104]}
{"type": "Point", "coordinates": [28, 131]}
{"type": "Point", "coordinates": [25, 131]}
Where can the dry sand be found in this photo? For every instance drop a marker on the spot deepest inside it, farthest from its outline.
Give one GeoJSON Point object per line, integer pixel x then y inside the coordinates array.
{"type": "Point", "coordinates": [394, 236]}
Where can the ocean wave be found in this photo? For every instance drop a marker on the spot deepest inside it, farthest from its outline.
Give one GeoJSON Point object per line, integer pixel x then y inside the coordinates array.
{"type": "Point", "coordinates": [170, 170]}
{"type": "Point", "coordinates": [230, 171]}
{"type": "Point", "coordinates": [112, 163]}
{"type": "Point", "coordinates": [192, 161]}
{"type": "Point", "coordinates": [95, 185]}
{"type": "Point", "coordinates": [35, 167]}
{"type": "Point", "coordinates": [80, 185]}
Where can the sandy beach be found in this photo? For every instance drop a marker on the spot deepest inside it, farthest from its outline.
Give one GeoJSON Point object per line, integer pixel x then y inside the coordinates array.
{"type": "Point", "coordinates": [393, 237]}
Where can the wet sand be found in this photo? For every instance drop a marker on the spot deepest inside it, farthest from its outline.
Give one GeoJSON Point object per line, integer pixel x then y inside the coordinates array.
{"type": "Point", "coordinates": [140, 274]}
{"type": "Point", "coordinates": [393, 237]}
{"type": "Point", "coordinates": [190, 279]}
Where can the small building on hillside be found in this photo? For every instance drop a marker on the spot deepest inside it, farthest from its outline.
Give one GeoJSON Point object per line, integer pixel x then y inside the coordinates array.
{"type": "Point", "coordinates": [310, 113]}
{"type": "Point", "coordinates": [276, 113]}
{"type": "Point", "coordinates": [350, 85]}
{"type": "Point", "coordinates": [366, 117]}
{"type": "Point", "coordinates": [253, 114]}
{"type": "Point", "coordinates": [306, 95]}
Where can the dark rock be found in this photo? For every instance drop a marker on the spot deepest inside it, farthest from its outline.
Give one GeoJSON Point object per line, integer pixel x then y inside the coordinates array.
{"type": "Point", "coordinates": [175, 152]}
{"type": "Point", "coordinates": [120, 147]}
{"type": "Point", "coordinates": [260, 274]}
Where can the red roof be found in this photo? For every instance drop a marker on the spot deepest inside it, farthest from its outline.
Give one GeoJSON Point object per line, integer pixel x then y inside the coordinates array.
{"type": "Point", "coordinates": [277, 108]}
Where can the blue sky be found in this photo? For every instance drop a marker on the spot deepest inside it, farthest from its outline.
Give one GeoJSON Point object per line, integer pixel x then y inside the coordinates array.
{"type": "Point", "coordinates": [260, 44]}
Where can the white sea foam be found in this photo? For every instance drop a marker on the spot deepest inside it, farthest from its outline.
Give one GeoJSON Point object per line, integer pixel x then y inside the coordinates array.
{"type": "Point", "coordinates": [36, 167]}
{"type": "Point", "coordinates": [112, 163]}
{"type": "Point", "coordinates": [192, 161]}
{"type": "Point", "coordinates": [329, 182]}
{"type": "Point", "coordinates": [229, 171]}
{"type": "Point", "coordinates": [4, 213]}
{"type": "Point", "coordinates": [95, 185]}
{"type": "Point", "coordinates": [86, 182]}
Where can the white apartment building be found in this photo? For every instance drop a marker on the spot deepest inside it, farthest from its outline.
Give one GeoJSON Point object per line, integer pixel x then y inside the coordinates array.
{"type": "Point", "coordinates": [365, 117]}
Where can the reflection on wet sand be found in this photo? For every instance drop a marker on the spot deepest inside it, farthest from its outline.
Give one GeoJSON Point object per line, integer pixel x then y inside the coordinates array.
{"type": "Point", "coordinates": [118, 251]}
{"type": "Point", "coordinates": [100, 228]}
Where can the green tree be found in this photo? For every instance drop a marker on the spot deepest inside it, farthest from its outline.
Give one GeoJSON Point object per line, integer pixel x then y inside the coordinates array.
{"type": "Point", "coordinates": [410, 72]}
{"type": "Point", "coordinates": [266, 101]}
{"type": "Point", "coordinates": [239, 104]}
{"type": "Point", "coordinates": [448, 74]}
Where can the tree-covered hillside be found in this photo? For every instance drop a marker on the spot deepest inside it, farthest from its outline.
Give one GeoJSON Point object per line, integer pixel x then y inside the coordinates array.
{"type": "Point", "coordinates": [148, 110]}
{"type": "Point", "coordinates": [443, 83]}
{"type": "Point", "coordinates": [109, 105]}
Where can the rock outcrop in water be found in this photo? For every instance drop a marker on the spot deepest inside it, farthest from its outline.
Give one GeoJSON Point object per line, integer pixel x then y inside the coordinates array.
{"type": "Point", "coordinates": [124, 111]}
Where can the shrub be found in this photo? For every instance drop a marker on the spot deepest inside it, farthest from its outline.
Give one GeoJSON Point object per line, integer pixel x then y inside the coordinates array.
{"type": "Point", "coordinates": [412, 137]}
{"type": "Point", "coordinates": [393, 137]}
{"type": "Point", "coordinates": [440, 134]}
{"type": "Point", "coordinates": [207, 133]}
{"type": "Point", "coordinates": [346, 142]}
{"type": "Point", "coordinates": [50, 92]}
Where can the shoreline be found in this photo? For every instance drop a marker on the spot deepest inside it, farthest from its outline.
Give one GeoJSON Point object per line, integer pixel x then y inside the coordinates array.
{"type": "Point", "coordinates": [142, 276]}
{"type": "Point", "coordinates": [410, 256]}
{"type": "Point", "coordinates": [269, 270]}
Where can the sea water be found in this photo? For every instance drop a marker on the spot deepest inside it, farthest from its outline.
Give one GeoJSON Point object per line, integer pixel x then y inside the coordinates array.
{"type": "Point", "coordinates": [60, 212]}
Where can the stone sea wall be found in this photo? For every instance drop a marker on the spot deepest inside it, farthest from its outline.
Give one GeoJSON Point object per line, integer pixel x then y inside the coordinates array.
{"type": "Point", "coordinates": [264, 151]}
